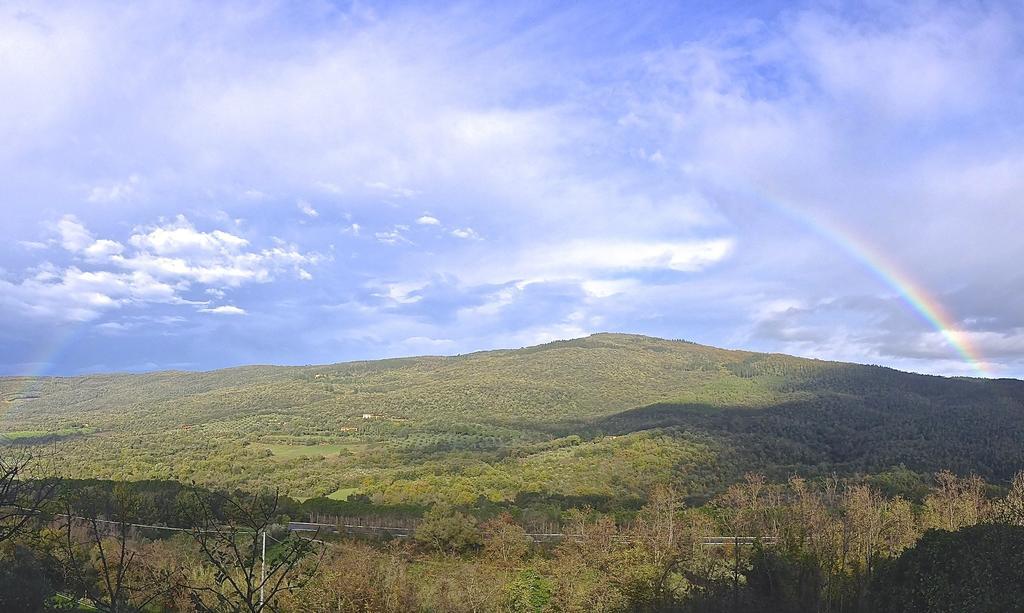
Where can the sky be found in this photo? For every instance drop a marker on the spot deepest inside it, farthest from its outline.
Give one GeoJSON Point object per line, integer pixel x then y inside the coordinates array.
{"type": "Point", "coordinates": [196, 185]}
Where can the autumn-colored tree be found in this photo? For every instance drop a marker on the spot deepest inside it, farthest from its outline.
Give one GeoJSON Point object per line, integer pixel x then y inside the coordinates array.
{"type": "Point", "coordinates": [457, 585]}
{"type": "Point", "coordinates": [581, 565]}
{"type": "Point", "coordinates": [874, 528]}
{"type": "Point", "coordinates": [358, 577]}
{"type": "Point", "coordinates": [1010, 509]}
{"type": "Point", "coordinates": [505, 541]}
{"type": "Point", "coordinates": [956, 502]}
{"type": "Point", "coordinates": [752, 507]}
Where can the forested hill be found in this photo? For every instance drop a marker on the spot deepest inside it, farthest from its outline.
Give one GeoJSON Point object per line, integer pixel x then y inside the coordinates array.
{"type": "Point", "coordinates": [605, 415]}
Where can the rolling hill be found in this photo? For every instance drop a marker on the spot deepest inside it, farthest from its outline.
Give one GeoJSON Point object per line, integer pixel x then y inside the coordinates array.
{"type": "Point", "coordinates": [602, 418]}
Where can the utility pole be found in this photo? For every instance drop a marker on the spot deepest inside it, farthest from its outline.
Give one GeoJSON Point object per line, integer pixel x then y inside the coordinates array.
{"type": "Point", "coordinates": [263, 568]}
{"type": "Point", "coordinates": [736, 573]}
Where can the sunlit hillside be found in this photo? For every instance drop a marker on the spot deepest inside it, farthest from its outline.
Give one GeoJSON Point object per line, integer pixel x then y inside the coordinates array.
{"type": "Point", "coordinates": [608, 416]}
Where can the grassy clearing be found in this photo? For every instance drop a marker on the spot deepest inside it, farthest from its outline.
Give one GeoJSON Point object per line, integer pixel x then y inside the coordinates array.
{"type": "Point", "coordinates": [288, 452]}
{"type": "Point", "coordinates": [344, 493]}
{"type": "Point", "coordinates": [22, 434]}
{"type": "Point", "coordinates": [29, 436]}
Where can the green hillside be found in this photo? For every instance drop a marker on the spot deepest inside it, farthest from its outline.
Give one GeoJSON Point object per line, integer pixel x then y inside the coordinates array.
{"type": "Point", "coordinates": [605, 417]}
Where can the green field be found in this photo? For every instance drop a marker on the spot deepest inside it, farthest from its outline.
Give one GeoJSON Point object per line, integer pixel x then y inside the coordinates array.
{"type": "Point", "coordinates": [24, 436]}
{"type": "Point", "coordinates": [344, 493]}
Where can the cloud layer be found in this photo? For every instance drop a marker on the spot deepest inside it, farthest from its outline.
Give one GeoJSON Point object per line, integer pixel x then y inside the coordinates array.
{"type": "Point", "coordinates": [183, 182]}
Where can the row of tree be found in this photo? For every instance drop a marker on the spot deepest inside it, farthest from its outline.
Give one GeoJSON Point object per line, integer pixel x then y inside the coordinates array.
{"type": "Point", "coordinates": [826, 546]}
{"type": "Point", "coordinates": [67, 547]}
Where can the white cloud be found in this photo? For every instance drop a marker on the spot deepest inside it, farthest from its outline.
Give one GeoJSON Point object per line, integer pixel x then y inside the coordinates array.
{"type": "Point", "coordinates": [76, 295]}
{"type": "Point", "coordinates": [307, 209]}
{"type": "Point", "coordinates": [165, 261]}
{"type": "Point", "coordinates": [181, 237]}
{"type": "Point", "coordinates": [393, 236]}
{"type": "Point", "coordinates": [114, 327]}
{"type": "Point", "coordinates": [114, 192]}
{"type": "Point", "coordinates": [73, 235]}
{"type": "Point", "coordinates": [393, 191]}
{"type": "Point", "coordinates": [227, 309]}
{"type": "Point", "coordinates": [76, 238]}
{"type": "Point", "coordinates": [428, 220]}
{"type": "Point", "coordinates": [466, 233]}
{"type": "Point", "coordinates": [178, 251]}
{"type": "Point", "coordinates": [230, 270]}
{"type": "Point", "coordinates": [33, 245]}
{"type": "Point", "coordinates": [255, 194]}
{"type": "Point", "coordinates": [401, 293]}
{"type": "Point", "coordinates": [922, 64]}
{"type": "Point", "coordinates": [587, 256]}
{"type": "Point", "coordinates": [823, 109]}
{"type": "Point", "coordinates": [103, 248]}
{"type": "Point", "coordinates": [38, 54]}
{"type": "Point", "coordinates": [493, 305]}
{"type": "Point", "coordinates": [603, 288]}
{"type": "Point", "coordinates": [132, 323]}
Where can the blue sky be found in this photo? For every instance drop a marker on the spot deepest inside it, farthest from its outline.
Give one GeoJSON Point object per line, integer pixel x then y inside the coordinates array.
{"type": "Point", "coordinates": [199, 185]}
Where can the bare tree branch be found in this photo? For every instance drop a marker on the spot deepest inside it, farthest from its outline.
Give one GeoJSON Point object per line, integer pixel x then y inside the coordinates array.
{"type": "Point", "coordinates": [229, 532]}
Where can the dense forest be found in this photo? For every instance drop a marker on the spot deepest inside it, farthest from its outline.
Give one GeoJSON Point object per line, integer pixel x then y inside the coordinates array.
{"type": "Point", "coordinates": [613, 473]}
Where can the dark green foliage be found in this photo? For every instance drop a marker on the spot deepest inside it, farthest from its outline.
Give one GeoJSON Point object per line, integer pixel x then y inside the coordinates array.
{"type": "Point", "coordinates": [529, 592]}
{"type": "Point", "coordinates": [782, 583]}
{"type": "Point", "coordinates": [979, 569]}
{"type": "Point", "coordinates": [446, 530]}
{"type": "Point", "coordinates": [27, 578]}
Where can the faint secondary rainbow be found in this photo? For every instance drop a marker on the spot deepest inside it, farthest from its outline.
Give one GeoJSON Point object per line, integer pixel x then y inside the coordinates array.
{"type": "Point", "coordinates": [45, 358]}
{"type": "Point", "coordinates": [927, 306]}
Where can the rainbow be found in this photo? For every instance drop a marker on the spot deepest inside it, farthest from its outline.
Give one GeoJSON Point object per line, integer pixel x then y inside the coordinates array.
{"type": "Point", "coordinates": [887, 271]}
{"type": "Point", "coordinates": [52, 350]}
{"type": "Point", "coordinates": [924, 304]}
{"type": "Point", "coordinates": [47, 356]}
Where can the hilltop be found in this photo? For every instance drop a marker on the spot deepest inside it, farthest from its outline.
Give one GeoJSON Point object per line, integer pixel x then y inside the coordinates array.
{"type": "Point", "coordinates": [604, 417]}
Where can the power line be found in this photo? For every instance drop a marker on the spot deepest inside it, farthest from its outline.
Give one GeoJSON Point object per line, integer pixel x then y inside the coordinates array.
{"type": "Point", "coordinates": [403, 532]}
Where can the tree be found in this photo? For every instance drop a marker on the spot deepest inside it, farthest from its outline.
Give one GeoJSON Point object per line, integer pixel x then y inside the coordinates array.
{"type": "Point", "coordinates": [448, 531]}
{"type": "Point", "coordinates": [528, 592]}
{"type": "Point", "coordinates": [27, 577]}
{"type": "Point", "coordinates": [1010, 509]}
{"type": "Point", "coordinates": [356, 576]}
{"type": "Point", "coordinates": [582, 564]}
{"type": "Point", "coordinates": [252, 558]}
{"type": "Point", "coordinates": [101, 557]}
{"type": "Point", "coordinates": [978, 568]}
{"type": "Point", "coordinates": [21, 498]}
{"type": "Point", "coordinates": [504, 540]}
{"type": "Point", "coordinates": [956, 502]}
{"type": "Point", "coordinates": [752, 507]}
{"type": "Point", "coordinates": [656, 524]}
{"type": "Point", "coordinates": [650, 569]}
{"type": "Point", "coordinates": [874, 528]}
